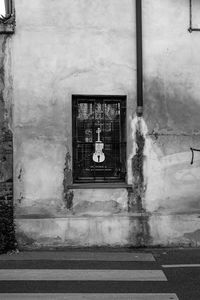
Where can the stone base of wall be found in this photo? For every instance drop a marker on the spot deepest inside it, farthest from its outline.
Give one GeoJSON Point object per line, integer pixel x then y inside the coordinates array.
{"type": "Point", "coordinates": [113, 231]}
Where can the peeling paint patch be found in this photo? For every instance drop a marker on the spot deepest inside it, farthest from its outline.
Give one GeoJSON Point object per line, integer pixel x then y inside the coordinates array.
{"type": "Point", "coordinates": [194, 237]}
{"type": "Point", "coordinates": [139, 233]}
{"type": "Point", "coordinates": [97, 207]}
{"type": "Point", "coordinates": [68, 194]}
{"type": "Point", "coordinates": [67, 170]}
{"type": "Point", "coordinates": [135, 201]}
{"type": "Point", "coordinates": [143, 236]}
{"type": "Point", "coordinates": [137, 169]}
{"type": "Point", "coordinates": [24, 239]}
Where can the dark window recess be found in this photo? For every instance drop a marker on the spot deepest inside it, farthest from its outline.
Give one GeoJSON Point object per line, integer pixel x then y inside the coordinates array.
{"type": "Point", "coordinates": [99, 138]}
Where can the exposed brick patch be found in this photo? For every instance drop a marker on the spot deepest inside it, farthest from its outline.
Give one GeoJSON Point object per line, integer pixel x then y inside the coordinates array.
{"type": "Point", "coordinates": [7, 230]}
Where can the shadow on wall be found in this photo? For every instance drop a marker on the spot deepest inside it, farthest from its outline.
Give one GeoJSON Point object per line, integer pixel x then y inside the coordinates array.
{"type": "Point", "coordinates": [139, 234]}
{"type": "Point", "coordinates": [170, 107]}
{"type": "Point", "coordinates": [172, 117]}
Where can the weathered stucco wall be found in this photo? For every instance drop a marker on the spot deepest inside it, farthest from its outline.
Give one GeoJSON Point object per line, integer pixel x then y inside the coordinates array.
{"type": "Point", "coordinates": [172, 106]}
{"type": "Point", "coordinates": [172, 109]}
{"type": "Point", "coordinates": [88, 47]}
{"type": "Point", "coordinates": [62, 49]}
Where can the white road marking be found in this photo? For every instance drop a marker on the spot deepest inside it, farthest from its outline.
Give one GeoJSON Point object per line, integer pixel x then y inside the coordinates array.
{"type": "Point", "coordinates": [97, 256]}
{"type": "Point", "coordinates": [182, 266]}
{"type": "Point", "coordinates": [89, 296]}
{"type": "Point", "coordinates": [54, 274]}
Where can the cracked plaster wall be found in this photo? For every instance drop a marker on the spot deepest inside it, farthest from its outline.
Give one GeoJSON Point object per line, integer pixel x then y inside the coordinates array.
{"type": "Point", "coordinates": [172, 107]}
{"type": "Point", "coordinates": [88, 47]}
{"type": "Point", "coordinates": [171, 114]}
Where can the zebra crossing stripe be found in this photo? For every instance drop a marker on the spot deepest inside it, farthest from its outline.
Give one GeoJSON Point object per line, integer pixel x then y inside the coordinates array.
{"type": "Point", "coordinates": [83, 275]}
{"type": "Point", "coordinates": [78, 255]}
{"type": "Point", "coordinates": [182, 266]}
{"type": "Point", "coordinates": [88, 296]}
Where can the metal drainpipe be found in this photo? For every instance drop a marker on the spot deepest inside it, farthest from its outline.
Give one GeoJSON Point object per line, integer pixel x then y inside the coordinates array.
{"type": "Point", "coordinates": [8, 7]}
{"type": "Point", "coordinates": [139, 57]}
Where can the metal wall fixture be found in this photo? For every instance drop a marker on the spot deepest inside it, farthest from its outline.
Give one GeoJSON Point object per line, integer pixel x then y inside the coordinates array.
{"type": "Point", "coordinates": [191, 28]}
{"type": "Point", "coordinates": [193, 149]}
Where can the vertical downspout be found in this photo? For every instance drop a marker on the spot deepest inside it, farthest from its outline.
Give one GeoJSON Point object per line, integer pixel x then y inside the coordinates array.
{"type": "Point", "coordinates": [139, 57]}
{"type": "Point", "coordinates": [8, 7]}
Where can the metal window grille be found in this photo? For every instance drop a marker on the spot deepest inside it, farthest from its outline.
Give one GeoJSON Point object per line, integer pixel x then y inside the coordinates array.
{"type": "Point", "coordinates": [107, 114]}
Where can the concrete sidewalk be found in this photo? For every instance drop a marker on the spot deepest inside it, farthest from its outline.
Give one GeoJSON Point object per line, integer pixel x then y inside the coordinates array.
{"type": "Point", "coordinates": [161, 255]}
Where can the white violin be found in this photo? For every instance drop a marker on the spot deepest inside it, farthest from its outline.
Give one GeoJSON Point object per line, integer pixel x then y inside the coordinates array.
{"type": "Point", "coordinates": [98, 156]}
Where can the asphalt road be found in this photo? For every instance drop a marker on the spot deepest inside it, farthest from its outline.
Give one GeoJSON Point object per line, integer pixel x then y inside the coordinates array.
{"type": "Point", "coordinates": [183, 271]}
{"type": "Point", "coordinates": [130, 274]}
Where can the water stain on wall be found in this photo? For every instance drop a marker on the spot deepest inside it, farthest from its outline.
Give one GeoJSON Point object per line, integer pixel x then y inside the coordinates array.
{"type": "Point", "coordinates": [139, 234]}
{"type": "Point", "coordinates": [193, 237]}
{"type": "Point", "coordinates": [173, 106]}
{"type": "Point", "coordinates": [138, 176]}
{"type": "Point", "coordinates": [68, 194]}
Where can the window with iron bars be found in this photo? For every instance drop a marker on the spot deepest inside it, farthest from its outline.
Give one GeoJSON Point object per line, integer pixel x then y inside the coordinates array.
{"type": "Point", "coordinates": [99, 138]}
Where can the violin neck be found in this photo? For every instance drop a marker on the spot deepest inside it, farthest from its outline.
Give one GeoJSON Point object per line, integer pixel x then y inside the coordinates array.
{"type": "Point", "coordinates": [98, 134]}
